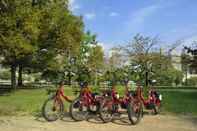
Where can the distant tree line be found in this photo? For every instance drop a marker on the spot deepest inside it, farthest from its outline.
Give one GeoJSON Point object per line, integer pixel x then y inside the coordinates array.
{"type": "Point", "coordinates": [44, 37]}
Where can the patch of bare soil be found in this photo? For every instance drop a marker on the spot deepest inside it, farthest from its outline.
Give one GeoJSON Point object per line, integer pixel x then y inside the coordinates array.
{"type": "Point", "coordinates": [148, 123]}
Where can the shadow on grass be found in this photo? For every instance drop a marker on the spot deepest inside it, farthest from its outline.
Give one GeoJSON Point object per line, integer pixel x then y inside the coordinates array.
{"type": "Point", "coordinates": [5, 91]}
{"type": "Point", "coordinates": [118, 119]}
{"type": "Point", "coordinates": [66, 117]}
{"type": "Point", "coordinates": [94, 118]}
{"type": "Point", "coordinates": [123, 120]}
{"type": "Point", "coordinates": [38, 117]}
{"type": "Point", "coordinates": [191, 119]}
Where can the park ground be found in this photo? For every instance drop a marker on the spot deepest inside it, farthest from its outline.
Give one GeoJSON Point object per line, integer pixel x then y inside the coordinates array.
{"type": "Point", "coordinates": [148, 123]}
{"type": "Point", "coordinates": [21, 110]}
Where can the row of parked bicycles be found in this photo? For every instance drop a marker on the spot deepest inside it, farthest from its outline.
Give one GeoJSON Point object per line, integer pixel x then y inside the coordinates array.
{"type": "Point", "coordinates": [106, 104]}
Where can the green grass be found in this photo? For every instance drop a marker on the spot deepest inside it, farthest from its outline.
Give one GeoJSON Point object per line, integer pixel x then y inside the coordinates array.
{"type": "Point", "coordinates": [29, 102]}
{"type": "Point", "coordinates": [21, 101]}
{"type": "Point", "coordinates": [176, 101]}
{"type": "Point", "coordinates": [25, 102]}
{"type": "Point", "coordinates": [180, 102]}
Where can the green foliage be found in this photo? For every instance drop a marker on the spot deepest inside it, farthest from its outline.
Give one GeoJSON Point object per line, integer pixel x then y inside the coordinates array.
{"type": "Point", "coordinates": [115, 76]}
{"type": "Point", "coordinates": [5, 75]}
{"type": "Point", "coordinates": [192, 81]}
{"type": "Point", "coordinates": [28, 27]}
{"type": "Point", "coordinates": [96, 58]}
{"type": "Point", "coordinates": [44, 36]}
{"type": "Point", "coordinates": [83, 74]}
{"type": "Point", "coordinates": [53, 76]}
{"type": "Point", "coordinates": [168, 77]}
{"type": "Point", "coordinates": [146, 63]}
{"type": "Point", "coordinates": [18, 29]}
{"type": "Point", "coordinates": [192, 56]}
{"type": "Point", "coordinates": [37, 77]}
{"type": "Point", "coordinates": [90, 59]}
{"type": "Point", "coordinates": [89, 40]}
{"type": "Point", "coordinates": [140, 52]}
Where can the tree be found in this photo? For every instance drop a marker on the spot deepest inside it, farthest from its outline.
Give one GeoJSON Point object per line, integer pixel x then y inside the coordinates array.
{"type": "Point", "coordinates": [18, 32]}
{"type": "Point", "coordinates": [168, 77]}
{"type": "Point", "coordinates": [192, 51]}
{"type": "Point", "coordinates": [116, 58]}
{"type": "Point", "coordinates": [62, 39]}
{"type": "Point", "coordinates": [83, 58]}
{"type": "Point", "coordinates": [139, 51]}
{"type": "Point", "coordinates": [28, 27]}
{"type": "Point", "coordinates": [189, 60]}
{"type": "Point", "coordinates": [185, 61]}
{"type": "Point", "coordinates": [192, 81]}
{"type": "Point", "coordinates": [5, 75]}
{"type": "Point", "coordinates": [96, 61]}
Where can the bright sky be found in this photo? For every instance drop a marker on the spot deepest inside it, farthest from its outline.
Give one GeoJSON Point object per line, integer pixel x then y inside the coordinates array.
{"type": "Point", "coordinates": [116, 21]}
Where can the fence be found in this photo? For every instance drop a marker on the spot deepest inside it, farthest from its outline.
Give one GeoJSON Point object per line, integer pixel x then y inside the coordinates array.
{"type": "Point", "coordinates": [36, 85]}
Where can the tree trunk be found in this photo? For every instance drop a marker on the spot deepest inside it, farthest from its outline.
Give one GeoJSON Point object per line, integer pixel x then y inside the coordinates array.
{"type": "Point", "coordinates": [69, 78]}
{"type": "Point", "coordinates": [186, 80]}
{"type": "Point", "coordinates": [95, 81]}
{"type": "Point", "coordinates": [20, 76]}
{"type": "Point", "coordinates": [13, 76]}
{"type": "Point", "coordinates": [146, 78]}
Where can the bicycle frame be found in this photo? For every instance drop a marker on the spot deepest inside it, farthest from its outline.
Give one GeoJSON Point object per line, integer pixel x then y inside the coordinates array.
{"type": "Point", "coordinates": [59, 95]}
{"type": "Point", "coordinates": [87, 98]}
{"type": "Point", "coordinates": [152, 99]}
{"type": "Point", "coordinates": [123, 101]}
{"type": "Point", "coordinates": [56, 106]}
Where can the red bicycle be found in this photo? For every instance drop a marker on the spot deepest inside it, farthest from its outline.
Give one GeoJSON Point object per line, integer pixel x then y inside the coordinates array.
{"type": "Point", "coordinates": [113, 102]}
{"type": "Point", "coordinates": [153, 102]}
{"type": "Point", "coordinates": [86, 103]}
{"type": "Point", "coordinates": [53, 107]}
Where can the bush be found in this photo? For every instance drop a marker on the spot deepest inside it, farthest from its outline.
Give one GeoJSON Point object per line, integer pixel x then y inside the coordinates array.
{"type": "Point", "coordinates": [169, 77]}
{"type": "Point", "coordinates": [5, 75]}
{"type": "Point", "coordinates": [37, 77]}
{"type": "Point", "coordinates": [192, 81]}
{"type": "Point", "coordinates": [53, 76]}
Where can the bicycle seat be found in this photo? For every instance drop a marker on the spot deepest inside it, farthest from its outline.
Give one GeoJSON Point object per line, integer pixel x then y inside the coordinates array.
{"type": "Point", "coordinates": [95, 94]}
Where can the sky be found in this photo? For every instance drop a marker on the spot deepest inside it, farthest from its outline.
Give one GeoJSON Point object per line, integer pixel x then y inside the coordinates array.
{"type": "Point", "coordinates": [115, 22]}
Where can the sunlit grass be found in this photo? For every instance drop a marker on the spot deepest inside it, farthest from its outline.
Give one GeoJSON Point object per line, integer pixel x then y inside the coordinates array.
{"type": "Point", "coordinates": [29, 102]}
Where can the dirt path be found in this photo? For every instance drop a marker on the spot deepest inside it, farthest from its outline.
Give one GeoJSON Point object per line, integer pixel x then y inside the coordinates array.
{"type": "Point", "coordinates": [148, 123]}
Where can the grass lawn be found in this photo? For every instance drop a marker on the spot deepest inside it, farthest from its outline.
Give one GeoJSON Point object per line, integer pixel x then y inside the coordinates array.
{"type": "Point", "coordinates": [180, 102]}
{"type": "Point", "coordinates": [176, 101]}
{"type": "Point", "coordinates": [25, 102]}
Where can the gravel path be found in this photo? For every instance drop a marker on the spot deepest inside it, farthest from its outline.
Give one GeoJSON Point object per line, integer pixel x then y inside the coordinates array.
{"type": "Point", "coordinates": [148, 123]}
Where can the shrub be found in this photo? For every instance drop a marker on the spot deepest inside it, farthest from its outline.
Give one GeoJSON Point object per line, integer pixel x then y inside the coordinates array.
{"type": "Point", "coordinates": [169, 77]}
{"type": "Point", "coordinates": [192, 81]}
{"type": "Point", "coordinates": [5, 75]}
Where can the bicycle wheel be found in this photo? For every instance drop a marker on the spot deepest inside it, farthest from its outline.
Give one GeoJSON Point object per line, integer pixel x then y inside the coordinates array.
{"type": "Point", "coordinates": [52, 109]}
{"type": "Point", "coordinates": [106, 111]}
{"type": "Point", "coordinates": [157, 108]}
{"type": "Point", "coordinates": [78, 111]}
{"type": "Point", "coordinates": [94, 109]}
{"type": "Point", "coordinates": [135, 112]}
